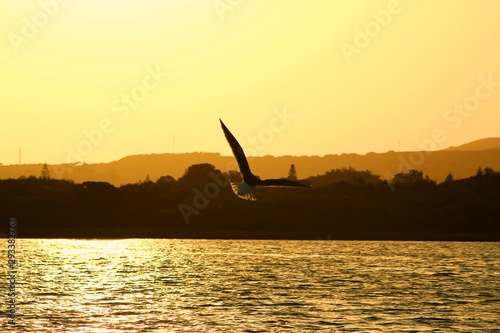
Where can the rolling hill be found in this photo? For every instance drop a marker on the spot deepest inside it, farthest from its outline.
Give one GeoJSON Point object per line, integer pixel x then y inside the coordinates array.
{"type": "Point", "coordinates": [483, 144]}
{"type": "Point", "coordinates": [462, 162]}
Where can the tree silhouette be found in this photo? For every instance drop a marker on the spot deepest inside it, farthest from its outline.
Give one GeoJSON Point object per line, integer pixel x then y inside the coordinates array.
{"type": "Point", "coordinates": [292, 173]}
{"type": "Point", "coordinates": [234, 176]}
{"type": "Point", "coordinates": [488, 171]}
{"type": "Point", "coordinates": [45, 172]}
{"type": "Point", "coordinates": [449, 178]}
{"type": "Point", "coordinates": [163, 180]}
{"type": "Point", "coordinates": [344, 203]}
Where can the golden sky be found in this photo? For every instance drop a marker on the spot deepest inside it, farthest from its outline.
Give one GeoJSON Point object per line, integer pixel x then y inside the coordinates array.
{"type": "Point", "coordinates": [97, 80]}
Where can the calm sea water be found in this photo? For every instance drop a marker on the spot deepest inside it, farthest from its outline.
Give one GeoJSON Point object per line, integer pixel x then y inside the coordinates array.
{"type": "Point", "coordinates": [137, 285]}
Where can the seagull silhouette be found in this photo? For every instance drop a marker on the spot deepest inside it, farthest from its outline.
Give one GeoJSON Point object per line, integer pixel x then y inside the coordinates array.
{"type": "Point", "coordinates": [244, 189]}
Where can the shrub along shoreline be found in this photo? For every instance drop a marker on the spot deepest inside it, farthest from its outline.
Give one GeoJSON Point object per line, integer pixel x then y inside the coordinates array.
{"type": "Point", "coordinates": [341, 204]}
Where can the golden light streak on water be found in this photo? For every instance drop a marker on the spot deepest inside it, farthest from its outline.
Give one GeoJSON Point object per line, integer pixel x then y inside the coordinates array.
{"type": "Point", "coordinates": [149, 285]}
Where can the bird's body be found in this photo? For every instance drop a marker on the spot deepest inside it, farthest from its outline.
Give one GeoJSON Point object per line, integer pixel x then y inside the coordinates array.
{"type": "Point", "coordinates": [244, 189]}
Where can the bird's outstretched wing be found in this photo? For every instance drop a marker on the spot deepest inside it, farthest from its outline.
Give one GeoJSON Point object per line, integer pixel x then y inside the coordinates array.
{"type": "Point", "coordinates": [238, 153]}
{"type": "Point", "coordinates": [281, 183]}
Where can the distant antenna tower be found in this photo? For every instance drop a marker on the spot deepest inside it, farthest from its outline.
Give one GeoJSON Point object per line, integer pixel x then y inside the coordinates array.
{"type": "Point", "coordinates": [19, 156]}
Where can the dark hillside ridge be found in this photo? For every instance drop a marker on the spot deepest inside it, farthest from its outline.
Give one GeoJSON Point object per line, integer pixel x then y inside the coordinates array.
{"type": "Point", "coordinates": [461, 162]}
{"type": "Point", "coordinates": [341, 204]}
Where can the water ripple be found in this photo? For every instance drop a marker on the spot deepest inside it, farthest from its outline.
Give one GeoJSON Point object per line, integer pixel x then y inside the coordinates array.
{"type": "Point", "coordinates": [151, 285]}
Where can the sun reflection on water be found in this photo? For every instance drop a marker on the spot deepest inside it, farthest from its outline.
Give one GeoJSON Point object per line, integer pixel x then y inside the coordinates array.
{"type": "Point", "coordinates": [148, 285]}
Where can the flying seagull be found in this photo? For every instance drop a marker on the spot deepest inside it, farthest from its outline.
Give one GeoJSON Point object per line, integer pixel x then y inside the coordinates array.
{"type": "Point", "coordinates": [244, 189]}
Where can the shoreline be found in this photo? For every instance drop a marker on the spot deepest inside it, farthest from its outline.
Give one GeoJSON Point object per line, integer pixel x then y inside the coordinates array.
{"type": "Point", "coordinates": [197, 233]}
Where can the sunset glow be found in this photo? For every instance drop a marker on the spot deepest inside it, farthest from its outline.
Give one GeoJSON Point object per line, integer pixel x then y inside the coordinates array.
{"type": "Point", "coordinates": [96, 81]}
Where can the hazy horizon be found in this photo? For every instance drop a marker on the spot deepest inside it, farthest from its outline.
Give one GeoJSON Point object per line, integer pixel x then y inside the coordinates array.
{"type": "Point", "coordinates": [251, 156]}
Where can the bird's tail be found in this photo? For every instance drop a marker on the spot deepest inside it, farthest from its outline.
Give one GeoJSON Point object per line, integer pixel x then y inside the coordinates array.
{"type": "Point", "coordinates": [243, 190]}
